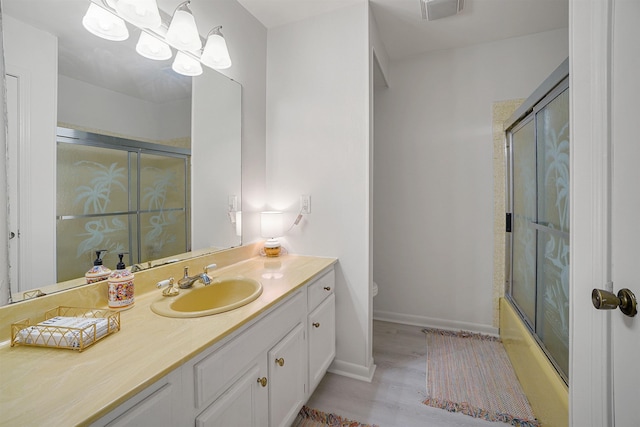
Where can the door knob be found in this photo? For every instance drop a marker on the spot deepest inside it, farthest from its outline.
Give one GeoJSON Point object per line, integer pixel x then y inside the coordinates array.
{"type": "Point", "coordinates": [280, 361]}
{"type": "Point", "coordinates": [11, 235]}
{"type": "Point", "coordinates": [625, 300]}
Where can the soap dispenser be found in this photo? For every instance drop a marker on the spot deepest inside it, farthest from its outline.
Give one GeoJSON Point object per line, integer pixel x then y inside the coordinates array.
{"type": "Point", "coordinates": [98, 272]}
{"type": "Point", "coordinates": [121, 286]}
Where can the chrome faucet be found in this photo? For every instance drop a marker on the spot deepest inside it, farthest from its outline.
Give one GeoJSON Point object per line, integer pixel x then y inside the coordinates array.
{"type": "Point", "coordinates": [188, 281]}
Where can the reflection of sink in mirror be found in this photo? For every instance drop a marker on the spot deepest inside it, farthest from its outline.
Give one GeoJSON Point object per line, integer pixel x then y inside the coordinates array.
{"type": "Point", "coordinates": [223, 294]}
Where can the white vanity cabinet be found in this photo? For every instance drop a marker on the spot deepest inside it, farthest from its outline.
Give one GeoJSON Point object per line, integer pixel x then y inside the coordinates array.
{"type": "Point", "coordinates": [321, 327]}
{"type": "Point", "coordinates": [260, 375]}
{"type": "Point", "coordinates": [151, 407]}
{"type": "Point", "coordinates": [287, 372]}
{"type": "Point", "coordinates": [244, 403]}
{"type": "Point", "coordinates": [262, 371]}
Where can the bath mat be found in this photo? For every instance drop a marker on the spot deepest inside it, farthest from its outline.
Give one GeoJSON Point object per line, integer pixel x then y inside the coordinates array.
{"type": "Point", "coordinates": [471, 374]}
{"type": "Point", "coordinates": [313, 418]}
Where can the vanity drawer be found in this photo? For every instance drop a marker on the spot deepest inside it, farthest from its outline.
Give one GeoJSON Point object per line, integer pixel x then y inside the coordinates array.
{"type": "Point", "coordinates": [321, 289]}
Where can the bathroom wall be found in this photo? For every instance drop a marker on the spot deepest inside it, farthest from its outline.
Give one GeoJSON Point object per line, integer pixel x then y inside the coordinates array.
{"type": "Point", "coordinates": [4, 237]}
{"type": "Point", "coordinates": [433, 179]}
{"type": "Point", "coordinates": [32, 54]}
{"type": "Point", "coordinates": [318, 144]}
{"type": "Point", "coordinates": [96, 108]}
{"type": "Point", "coordinates": [246, 40]}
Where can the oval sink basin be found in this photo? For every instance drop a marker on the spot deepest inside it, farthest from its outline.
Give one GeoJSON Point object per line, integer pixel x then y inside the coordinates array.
{"type": "Point", "coordinates": [221, 295]}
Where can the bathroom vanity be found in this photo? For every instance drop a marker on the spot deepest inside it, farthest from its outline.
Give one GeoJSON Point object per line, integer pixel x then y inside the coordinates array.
{"type": "Point", "coordinates": [252, 366]}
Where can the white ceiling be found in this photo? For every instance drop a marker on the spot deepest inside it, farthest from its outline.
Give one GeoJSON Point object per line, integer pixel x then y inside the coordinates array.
{"type": "Point", "coordinates": [405, 33]}
{"type": "Point", "coordinates": [117, 66]}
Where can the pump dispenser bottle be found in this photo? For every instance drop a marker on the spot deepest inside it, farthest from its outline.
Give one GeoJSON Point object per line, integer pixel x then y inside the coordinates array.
{"type": "Point", "coordinates": [121, 286]}
{"type": "Point", "coordinates": [98, 272]}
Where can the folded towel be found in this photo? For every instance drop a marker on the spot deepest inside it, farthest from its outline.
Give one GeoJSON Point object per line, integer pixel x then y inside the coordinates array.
{"type": "Point", "coordinates": [62, 331]}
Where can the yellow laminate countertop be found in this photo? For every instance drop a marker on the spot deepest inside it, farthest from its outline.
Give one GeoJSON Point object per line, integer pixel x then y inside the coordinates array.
{"type": "Point", "coordinates": [43, 386]}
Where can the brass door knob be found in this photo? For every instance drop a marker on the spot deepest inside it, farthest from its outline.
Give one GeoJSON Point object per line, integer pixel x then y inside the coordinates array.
{"type": "Point", "coordinates": [262, 381]}
{"type": "Point", "coordinates": [280, 361]}
{"type": "Point", "coordinates": [316, 324]}
{"type": "Point", "coordinates": [625, 300]}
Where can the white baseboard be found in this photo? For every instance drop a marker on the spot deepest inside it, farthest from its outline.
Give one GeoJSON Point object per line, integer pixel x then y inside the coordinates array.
{"type": "Point", "coordinates": [430, 322]}
{"type": "Point", "coordinates": [351, 370]}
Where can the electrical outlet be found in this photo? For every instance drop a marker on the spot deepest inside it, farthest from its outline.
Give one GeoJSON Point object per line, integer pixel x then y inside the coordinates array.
{"type": "Point", "coordinates": [305, 204]}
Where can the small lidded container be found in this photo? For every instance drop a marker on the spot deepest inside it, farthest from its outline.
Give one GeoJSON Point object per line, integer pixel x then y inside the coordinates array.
{"type": "Point", "coordinates": [121, 286]}
{"type": "Point", "coordinates": [98, 272]}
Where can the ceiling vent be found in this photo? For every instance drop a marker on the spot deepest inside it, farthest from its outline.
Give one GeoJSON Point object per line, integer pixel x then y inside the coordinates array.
{"type": "Point", "coordinates": [436, 9]}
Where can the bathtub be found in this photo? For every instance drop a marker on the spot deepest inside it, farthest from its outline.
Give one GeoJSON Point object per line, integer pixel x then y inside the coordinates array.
{"type": "Point", "coordinates": [547, 393]}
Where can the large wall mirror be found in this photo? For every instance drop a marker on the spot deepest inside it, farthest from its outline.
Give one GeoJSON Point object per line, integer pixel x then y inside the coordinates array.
{"type": "Point", "coordinates": [64, 83]}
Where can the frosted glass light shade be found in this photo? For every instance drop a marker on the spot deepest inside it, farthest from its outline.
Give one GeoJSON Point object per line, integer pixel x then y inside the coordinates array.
{"type": "Point", "coordinates": [104, 24]}
{"type": "Point", "coordinates": [143, 13]}
{"type": "Point", "coordinates": [185, 65]}
{"type": "Point", "coordinates": [183, 32]}
{"type": "Point", "coordinates": [271, 224]}
{"type": "Point", "coordinates": [152, 48]}
{"type": "Point", "coordinates": [215, 53]}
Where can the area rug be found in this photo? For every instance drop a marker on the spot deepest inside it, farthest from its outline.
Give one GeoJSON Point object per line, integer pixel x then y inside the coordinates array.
{"type": "Point", "coordinates": [313, 418]}
{"type": "Point", "coordinates": [471, 374]}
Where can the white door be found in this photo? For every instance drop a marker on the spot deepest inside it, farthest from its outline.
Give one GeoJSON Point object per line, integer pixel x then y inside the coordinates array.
{"type": "Point", "coordinates": [605, 58]}
{"type": "Point", "coordinates": [625, 212]}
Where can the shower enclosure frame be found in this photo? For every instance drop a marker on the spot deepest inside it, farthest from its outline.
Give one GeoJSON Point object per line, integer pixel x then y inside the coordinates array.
{"type": "Point", "coordinates": [134, 150]}
{"type": "Point", "coordinates": [549, 90]}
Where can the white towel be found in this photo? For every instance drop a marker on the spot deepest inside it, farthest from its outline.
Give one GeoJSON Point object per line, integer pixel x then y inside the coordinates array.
{"type": "Point", "coordinates": [55, 332]}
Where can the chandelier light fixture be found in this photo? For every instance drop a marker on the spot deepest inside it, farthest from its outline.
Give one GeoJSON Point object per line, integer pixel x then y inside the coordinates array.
{"type": "Point", "coordinates": [159, 33]}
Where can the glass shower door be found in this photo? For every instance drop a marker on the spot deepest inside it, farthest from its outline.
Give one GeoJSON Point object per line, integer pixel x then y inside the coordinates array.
{"type": "Point", "coordinates": [93, 207]}
{"type": "Point", "coordinates": [523, 283]}
{"type": "Point", "coordinates": [163, 202]}
{"type": "Point", "coordinates": [552, 319]}
{"type": "Point", "coordinates": [118, 195]}
{"type": "Point", "coordinates": [539, 285]}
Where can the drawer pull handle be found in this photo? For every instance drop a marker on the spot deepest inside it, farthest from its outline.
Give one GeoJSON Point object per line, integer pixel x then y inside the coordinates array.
{"type": "Point", "coordinates": [316, 324]}
{"type": "Point", "coordinates": [327, 288]}
{"type": "Point", "coordinates": [280, 361]}
{"type": "Point", "coordinates": [263, 381]}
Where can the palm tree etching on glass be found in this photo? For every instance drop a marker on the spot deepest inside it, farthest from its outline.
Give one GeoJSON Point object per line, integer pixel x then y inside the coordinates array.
{"type": "Point", "coordinates": [555, 123]}
{"type": "Point", "coordinates": [155, 197]}
{"type": "Point", "coordinates": [96, 196]}
{"type": "Point", "coordinates": [105, 182]}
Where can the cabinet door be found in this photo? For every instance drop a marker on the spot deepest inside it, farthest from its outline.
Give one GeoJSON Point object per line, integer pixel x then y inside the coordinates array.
{"type": "Point", "coordinates": [287, 377]}
{"type": "Point", "coordinates": [153, 410]}
{"type": "Point", "coordinates": [322, 340]}
{"type": "Point", "coordinates": [245, 403]}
